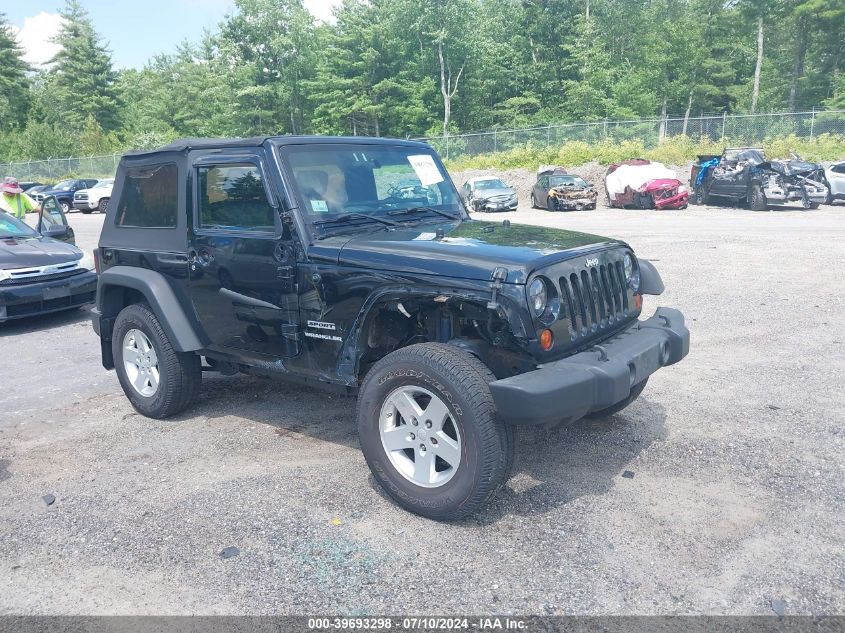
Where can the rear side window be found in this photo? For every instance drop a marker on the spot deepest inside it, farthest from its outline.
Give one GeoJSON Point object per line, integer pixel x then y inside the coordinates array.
{"type": "Point", "coordinates": [149, 198]}
{"type": "Point", "coordinates": [232, 198]}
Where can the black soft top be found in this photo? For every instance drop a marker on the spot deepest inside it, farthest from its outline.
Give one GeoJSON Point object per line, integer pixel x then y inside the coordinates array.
{"type": "Point", "coordinates": [188, 144]}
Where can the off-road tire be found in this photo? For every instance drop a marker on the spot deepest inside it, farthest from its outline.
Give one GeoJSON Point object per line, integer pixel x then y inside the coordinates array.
{"type": "Point", "coordinates": [757, 199]}
{"type": "Point", "coordinates": [636, 390]}
{"type": "Point", "coordinates": [180, 373]}
{"type": "Point", "coordinates": [103, 206]}
{"type": "Point", "coordinates": [462, 382]}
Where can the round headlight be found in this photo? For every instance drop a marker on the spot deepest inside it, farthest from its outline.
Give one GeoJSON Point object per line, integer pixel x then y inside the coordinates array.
{"type": "Point", "coordinates": [537, 296]}
{"type": "Point", "coordinates": [632, 272]}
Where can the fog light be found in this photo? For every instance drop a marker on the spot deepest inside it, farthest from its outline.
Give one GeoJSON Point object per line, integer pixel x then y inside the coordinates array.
{"type": "Point", "coordinates": [546, 340]}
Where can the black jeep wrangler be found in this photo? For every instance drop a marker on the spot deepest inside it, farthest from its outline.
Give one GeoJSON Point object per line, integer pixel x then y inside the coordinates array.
{"type": "Point", "coordinates": [301, 258]}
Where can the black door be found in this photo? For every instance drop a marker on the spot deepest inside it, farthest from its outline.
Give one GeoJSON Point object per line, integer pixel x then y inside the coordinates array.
{"type": "Point", "coordinates": [242, 263]}
{"type": "Point", "coordinates": [52, 221]}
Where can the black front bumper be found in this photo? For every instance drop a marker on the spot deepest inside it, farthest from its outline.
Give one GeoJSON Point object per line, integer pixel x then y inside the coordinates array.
{"type": "Point", "coordinates": [19, 301]}
{"type": "Point", "coordinates": [592, 380]}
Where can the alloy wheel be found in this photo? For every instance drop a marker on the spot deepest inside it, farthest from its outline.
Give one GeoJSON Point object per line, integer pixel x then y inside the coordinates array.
{"type": "Point", "coordinates": [141, 363]}
{"type": "Point", "coordinates": [420, 436]}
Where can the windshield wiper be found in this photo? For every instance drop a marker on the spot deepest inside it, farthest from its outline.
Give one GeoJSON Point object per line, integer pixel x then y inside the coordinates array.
{"type": "Point", "coordinates": [354, 216]}
{"type": "Point", "coordinates": [410, 210]}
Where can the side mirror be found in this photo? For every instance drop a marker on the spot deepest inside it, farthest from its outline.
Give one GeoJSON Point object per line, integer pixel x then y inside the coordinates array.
{"type": "Point", "coordinates": [52, 221]}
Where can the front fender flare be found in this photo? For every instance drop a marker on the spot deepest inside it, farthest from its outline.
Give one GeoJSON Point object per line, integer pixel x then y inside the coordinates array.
{"type": "Point", "coordinates": [159, 296]}
{"type": "Point", "coordinates": [650, 280]}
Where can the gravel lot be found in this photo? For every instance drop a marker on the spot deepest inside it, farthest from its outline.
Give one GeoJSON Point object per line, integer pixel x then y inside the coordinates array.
{"type": "Point", "coordinates": [736, 501]}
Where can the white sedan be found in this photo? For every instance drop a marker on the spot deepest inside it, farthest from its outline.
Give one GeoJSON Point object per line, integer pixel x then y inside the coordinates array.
{"type": "Point", "coordinates": [835, 176]}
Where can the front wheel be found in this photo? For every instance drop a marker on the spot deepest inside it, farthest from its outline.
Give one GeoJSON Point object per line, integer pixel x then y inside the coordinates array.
{"type": "Point", "coordinates": [757, 201]}
{"type": "Point", "coordinates": [428, 430]}
{"type": "Point", "coordinates": [103, 206]}
{"type": "Point", "coordinates": [551, 205]}
{"type": "Point", "coordinates": [65, 206]}
{"type": "Point", "coordinates": [157, 380]}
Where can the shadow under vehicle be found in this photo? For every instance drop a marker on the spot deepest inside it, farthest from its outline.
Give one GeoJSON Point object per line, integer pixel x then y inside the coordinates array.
{"type": "Point", "coordinates": [41, 271]}
{"type": "Point", "coordinates": [556, 190]}
{"type": "Point", "coordinates": [314, 259]}
{"type": "Point", "coordinates": [743, 177]}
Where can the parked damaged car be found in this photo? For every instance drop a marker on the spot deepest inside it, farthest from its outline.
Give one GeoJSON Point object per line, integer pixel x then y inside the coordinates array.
{"type": "Point", "coordinates": [487, 193]}
{"type": "Point", "coordinates": [743, 176]}
{"type": "Point", "coordinates": [556, 190]}
{"type": "Point", "coordinates": [643, 184]}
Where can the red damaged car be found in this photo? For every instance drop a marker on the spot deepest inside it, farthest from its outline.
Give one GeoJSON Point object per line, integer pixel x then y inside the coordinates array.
{"type": "Point", "coordinates": [643, 184]}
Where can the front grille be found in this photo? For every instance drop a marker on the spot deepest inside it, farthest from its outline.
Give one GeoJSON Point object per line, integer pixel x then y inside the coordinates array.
{"type": "Point", "coordinates": [37, 279]}
{"type": "Point", "coordinates": [80, 196]}
{"type": "Point", "coordinates": [594, 299]}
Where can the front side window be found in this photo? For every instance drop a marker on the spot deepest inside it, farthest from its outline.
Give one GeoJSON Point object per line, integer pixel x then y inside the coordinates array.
{"type": "Point", "coordinates": [150, 197]}
{"type": "Point", "coordinates": [334, 181]}
{"type": "Point", "coordinates": [232, 198]}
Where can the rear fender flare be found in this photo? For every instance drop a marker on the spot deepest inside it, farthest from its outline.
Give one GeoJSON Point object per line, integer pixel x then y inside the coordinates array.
{"type": "Point", "coordinates": [160, 297]}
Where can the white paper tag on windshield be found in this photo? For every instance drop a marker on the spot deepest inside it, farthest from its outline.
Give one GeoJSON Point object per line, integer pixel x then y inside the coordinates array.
{"type": "Point", "coordinates": [426, 169]}
{"type": "Point", "coordinates": [319, 206]}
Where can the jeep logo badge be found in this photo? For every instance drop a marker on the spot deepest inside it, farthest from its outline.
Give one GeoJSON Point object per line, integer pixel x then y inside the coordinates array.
{"type": "Point", "coordinates": [592, 262]}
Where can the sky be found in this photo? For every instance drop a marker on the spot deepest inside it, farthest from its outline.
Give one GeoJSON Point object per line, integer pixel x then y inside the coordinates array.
{"type": "Point", "coordinates": [135, 30]}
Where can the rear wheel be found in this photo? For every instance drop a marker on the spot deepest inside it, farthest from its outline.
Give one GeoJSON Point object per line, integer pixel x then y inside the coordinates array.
{"type": "Point", "coordinates": [636, 390]}
{"type": "Point", "coordinates": [429, 431]}
{"type": "Point", "coordinates": [533, 201]}
{"type": "Point", "coordinates": [757, 201]}
{"type": "Point", "coordinates": [157, 380]}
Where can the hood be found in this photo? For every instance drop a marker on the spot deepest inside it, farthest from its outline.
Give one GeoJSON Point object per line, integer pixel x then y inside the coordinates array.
{"type": "Point", "coordinates": [467, 250]}
{"type": "Point", "coordinates": [792, 167]}
{"type": "Point", "coordinates": [17, 252]}
{"type": "Point", "coordinates": [484, 194]}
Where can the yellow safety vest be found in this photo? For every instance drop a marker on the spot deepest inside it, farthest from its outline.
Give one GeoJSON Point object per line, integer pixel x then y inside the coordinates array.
{"type": "Point", "coordinates": [17, 204]}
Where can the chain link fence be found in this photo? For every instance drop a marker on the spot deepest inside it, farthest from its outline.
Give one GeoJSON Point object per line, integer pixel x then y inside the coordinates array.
{"type": "Point", "coordinates": [744, 129]}
{"type": "Point", "coordinates": [55, 169]}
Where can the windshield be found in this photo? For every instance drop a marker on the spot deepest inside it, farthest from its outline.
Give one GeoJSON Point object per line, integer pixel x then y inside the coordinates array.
{"type": "Point", "coordinates": [562, 181]}
{"type": "Point", "coordinates": [335, 181]}
{"type": "Point", "coordinates": [12, 227]}
{"type": "Point", "coordinates": [104, 183]}
{"type": "Point", "coordinates": [493, 183]}
{"type": "Point", "coordinates": [64, 184]}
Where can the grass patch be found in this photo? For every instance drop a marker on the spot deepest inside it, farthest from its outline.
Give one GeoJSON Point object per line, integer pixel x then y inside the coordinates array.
{"type": "Point", "coordinates": [676, 150]}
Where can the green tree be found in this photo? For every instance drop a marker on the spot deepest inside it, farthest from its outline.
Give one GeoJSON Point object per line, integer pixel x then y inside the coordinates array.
{"type": "Point", "coordinates": [14, 85]}
{"type": "Point", "coordinates": [83, 80]}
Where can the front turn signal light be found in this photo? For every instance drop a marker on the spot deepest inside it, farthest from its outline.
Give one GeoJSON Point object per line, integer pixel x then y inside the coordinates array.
{"type": "Point", "coordinates": [638, 302]}
{"type": "Point", "coordinates": [546, 340]}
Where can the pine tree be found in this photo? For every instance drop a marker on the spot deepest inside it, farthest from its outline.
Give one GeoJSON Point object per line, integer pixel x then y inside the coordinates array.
{"type": "Point", "coordinates": [83, 77]}
{"type": "Point", "coordinates": [14, 86]}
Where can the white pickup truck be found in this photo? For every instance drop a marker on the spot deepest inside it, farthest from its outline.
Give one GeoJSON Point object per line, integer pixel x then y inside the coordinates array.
{"type": "Point", "coordinates": [95, 198]}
